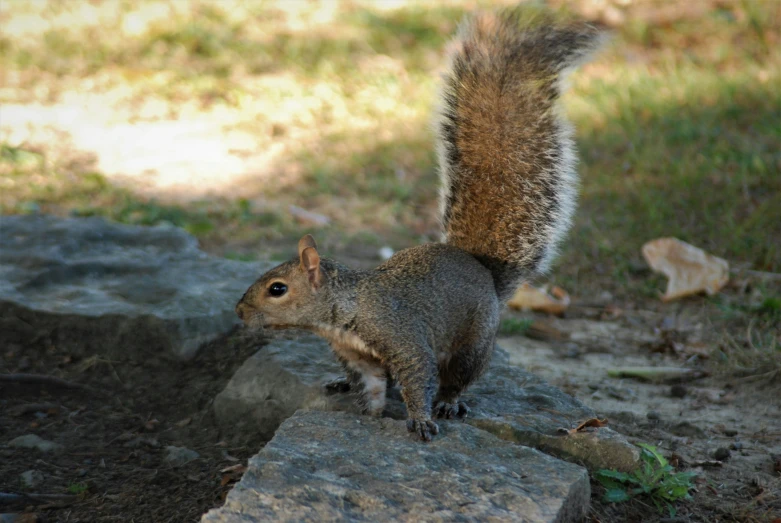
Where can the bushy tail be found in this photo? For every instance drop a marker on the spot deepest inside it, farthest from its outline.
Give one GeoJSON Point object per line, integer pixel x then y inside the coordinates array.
{"type": "Point", "coordinates": [507, 159]}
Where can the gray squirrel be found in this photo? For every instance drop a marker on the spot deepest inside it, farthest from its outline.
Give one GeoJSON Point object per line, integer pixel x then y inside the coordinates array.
{"type": "Point", "coordinates": [428, 317]}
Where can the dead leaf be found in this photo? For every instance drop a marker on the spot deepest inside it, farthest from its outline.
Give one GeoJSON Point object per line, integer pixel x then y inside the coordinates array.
{"type": "Point", "coordinates": [184, 422]}
{"type": "Point", "coordinates": [592, 422]}
{"type": "Point", "coordinates": [689, 270]}
{"type": "Point", "coordinates": [544, 331]}
{"type": "Point", "coordinates": [151, 424]}
{"type": "Point", "coordinates": [532, 298]}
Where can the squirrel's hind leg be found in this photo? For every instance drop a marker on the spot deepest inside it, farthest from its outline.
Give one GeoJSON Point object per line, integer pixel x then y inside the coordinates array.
{"type": "Point", "coordinates": [373, 381]}
{"type": "Point", "coordinates": [456, 373]}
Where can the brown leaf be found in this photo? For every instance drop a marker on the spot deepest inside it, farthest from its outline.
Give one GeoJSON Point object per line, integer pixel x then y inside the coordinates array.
{"type": "Point", "coordinates": [532, 298]}
{"type": "Point", "coordinates": [592, 422]}
{"type": "Point", "coordinates": [689, 270]}
{"type": "Point", "coordinates": [238, 468]}
{"type": "Point", "coordinates": [184, 422]}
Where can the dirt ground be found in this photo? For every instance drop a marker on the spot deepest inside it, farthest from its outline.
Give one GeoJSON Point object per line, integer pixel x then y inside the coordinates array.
{"type": "Point", "coordinates": [728, 429]}
{"type": "Point", "coordinates": [115, 434]}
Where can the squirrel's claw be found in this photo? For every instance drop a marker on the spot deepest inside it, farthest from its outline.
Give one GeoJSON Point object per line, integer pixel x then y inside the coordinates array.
{"type": "Point", "coordinates": [424, 428]}
{"type": "Point", "coordinates": [458, 410]}
{"type": "Point", "coordinates": [339, 385]}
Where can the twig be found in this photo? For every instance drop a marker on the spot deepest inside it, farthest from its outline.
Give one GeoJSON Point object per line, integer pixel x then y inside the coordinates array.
{"type": "Point", "coordinates": [42, 379]}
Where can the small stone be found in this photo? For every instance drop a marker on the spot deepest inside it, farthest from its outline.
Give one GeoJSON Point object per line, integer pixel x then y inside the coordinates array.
{"type": "Point", "coordinates": [653, 415]}
{"type": "Point", "coordinates": [31, 441]}
{"type": "Point", "coordinates": [737, 445]}
{"type": "Point", "coordinates": [678, 391]}
{"type": "Point", "coordinates": [730, 433]}
{"type": "Point", "coordinates": [82, 472]}
{"type": "Point", "coordinates": [178, 456]}
{"type": "Point", "coordinates": [593, 386]}
{"type": "Point", "coordinates": [31, 478]}
{"type": "Point", "coordinates": [385, 253]}
{"type": "Point", "coordinates": [722, 454]}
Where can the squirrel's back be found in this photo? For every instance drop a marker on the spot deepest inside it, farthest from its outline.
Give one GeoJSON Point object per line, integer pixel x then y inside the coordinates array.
{"type": "Point", "coordinates": [507, 159]}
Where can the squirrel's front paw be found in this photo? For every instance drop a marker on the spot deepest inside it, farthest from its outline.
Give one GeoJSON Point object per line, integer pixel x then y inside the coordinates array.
{"type": "Point", "coordinates": [451, 410]}
{"type": "Point", "coordinates": [338, 386]}
{"type": "Point", "coordinates": [423, 428]}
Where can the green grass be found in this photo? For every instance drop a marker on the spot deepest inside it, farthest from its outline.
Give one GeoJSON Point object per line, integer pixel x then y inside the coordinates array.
{"type": "Point", "coordinates": [654, 479]}
{"type": "Point", "coordinates": [515, 326]}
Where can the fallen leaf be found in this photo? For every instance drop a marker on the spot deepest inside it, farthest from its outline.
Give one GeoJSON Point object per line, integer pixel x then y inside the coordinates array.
{"type": "Point", "coordinates": [184, 422]}
{"type": "Point", "coordinates": [532, 298]}
{"type": "Point", "coordinates": [592, 422]}
{"type": "Point", "coordinates": [544, 331]}
{"type": "Point", "coordinates": [689, 270]}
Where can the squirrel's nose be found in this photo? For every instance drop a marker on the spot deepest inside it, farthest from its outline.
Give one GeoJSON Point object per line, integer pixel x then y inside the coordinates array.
{"type": "Point", "coordinates": [241, 310]}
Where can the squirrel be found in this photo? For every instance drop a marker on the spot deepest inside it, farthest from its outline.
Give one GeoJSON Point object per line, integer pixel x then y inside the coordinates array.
{"type": "Point", "coordinates": [427, 318]}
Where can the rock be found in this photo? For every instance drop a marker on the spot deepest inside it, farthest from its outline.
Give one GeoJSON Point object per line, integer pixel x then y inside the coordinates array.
{"type": "Point", "coordinates": [722, 454]}
{"type": "Point", "coordinates": [31, 441]}
{"type": "Point", "coordinates": [653, 415]}
{"type": "Point", "coordinates": [678, 391]}
{"type": "Point", "coordinates": [31, 478]}
{"type": "Point", "coordinates": [328, 466]}
{"type": "Point", "coordinates": [178, 456]}
{"type": "Point", "coordinates": [289, 373]}
{"type": "Point", "coordinates": [125, 291]}
{"type": "Point", "coordinates": [520, 407]}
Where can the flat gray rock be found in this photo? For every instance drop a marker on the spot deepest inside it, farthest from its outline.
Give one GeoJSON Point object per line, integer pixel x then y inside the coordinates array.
{"type": "Point", "coordinates": [285, 375]}
{"type": "Point", "coordinates": [329, 466]}
{"type": "Point", "coordinates": [517, 406]}
{"type": "Point", "coordinates": [123, 290]}
{"type": "Point", "coordinates": [289, 373]}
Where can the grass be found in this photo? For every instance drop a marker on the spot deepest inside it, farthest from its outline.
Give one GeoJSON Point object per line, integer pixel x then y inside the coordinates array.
{"type": "Point", "coordinates": [677, 123]}
{"type": "Point", "coordinates": [655, 479]}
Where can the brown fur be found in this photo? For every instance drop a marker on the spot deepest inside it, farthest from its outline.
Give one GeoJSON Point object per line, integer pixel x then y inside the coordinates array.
{"type": "Point", "coordinates": [427, 318]}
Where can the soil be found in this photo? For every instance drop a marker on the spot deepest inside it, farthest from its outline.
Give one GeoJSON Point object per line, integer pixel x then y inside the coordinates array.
{"type": "Point", "coordinates": [115, 434]}
{"type": "Point", "coordinates": [726, 428]}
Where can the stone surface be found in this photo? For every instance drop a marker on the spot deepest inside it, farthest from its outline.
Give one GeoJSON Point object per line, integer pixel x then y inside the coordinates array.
{"type": "Point", "coordinates": [178, 456]}
{"type": "Point", "coordinates": [285, 375]}
{"type": "Point", "coordinates": [31, 478]}
{"type": "Point", "coordinates": [31, 441]}
{"type": "Point", "coordinates": [288, 374]}
{"type": "Point", "coordinates": [517, 406]}
{"type": "Point", "coordinates": [124, 290]}
{"type": "Point", "coordinates": [329, 466]}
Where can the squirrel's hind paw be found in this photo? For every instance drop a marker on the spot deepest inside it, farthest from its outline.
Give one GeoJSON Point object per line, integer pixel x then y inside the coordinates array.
{"type": "Point", "coordinates": [446, 410]}
{"type": "Point", "coordinates": [338, 386]}
{"type": "Point", "coordinates": [424, 428]}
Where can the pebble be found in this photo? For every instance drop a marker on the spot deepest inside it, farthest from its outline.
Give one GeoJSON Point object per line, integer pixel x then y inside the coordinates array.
{"type": "Point", "coordinates": [737, 445]}
{"type": "Point", "coordinates": [31, 478]}
{"type": "Point", "coordinates": [179, 455]}
{"type": "Point", "coordinates": [31, 441]}
{"type": "Point", "coordinates": [678, 391]}
{"type": "Point", "coordinates": [385, 253]}
{"type": "Point", "coordinates": [731, 433]}
{"type": "Point", "coordinates": [722, 454]}
{"type": "Point", "coordinates": [653, 415]}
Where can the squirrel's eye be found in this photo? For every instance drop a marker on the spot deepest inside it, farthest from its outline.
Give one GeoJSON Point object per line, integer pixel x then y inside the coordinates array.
{"type": "Point", "coordinates": [277, 289]}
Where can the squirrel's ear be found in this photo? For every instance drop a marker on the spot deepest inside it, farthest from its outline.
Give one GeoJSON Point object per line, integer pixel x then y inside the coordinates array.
{"type": "Point", "coordinates": [305, 242]}
{"type": "Point", "coordinates": [310, 263]}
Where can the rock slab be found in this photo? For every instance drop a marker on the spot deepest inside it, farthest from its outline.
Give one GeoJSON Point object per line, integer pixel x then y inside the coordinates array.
{"type": "Point", "coordinates": [328, 466]}
{"type": "Point", "coordinates": [127, 291]}
{"type": "Point", "coordinates": [288, 374]}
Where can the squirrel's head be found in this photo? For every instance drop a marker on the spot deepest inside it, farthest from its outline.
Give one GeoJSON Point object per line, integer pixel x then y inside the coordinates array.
{"type": "Point", "coordinates": [289, 294]}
